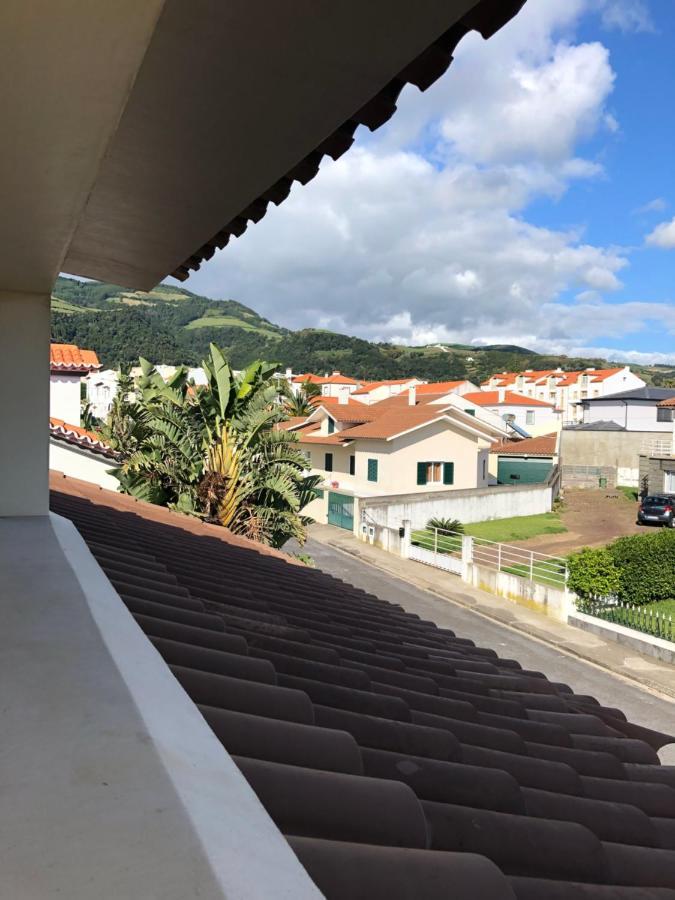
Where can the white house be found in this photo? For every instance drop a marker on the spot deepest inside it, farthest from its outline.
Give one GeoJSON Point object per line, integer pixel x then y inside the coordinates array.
{"type": "Point", "coordinates": [566, 389]}
{"type": "Point", "coordinates": [637, 410]}
{"type": "Point", "coordinates": [374, 391]}
{"type": "Point", "coordinates": [336, 384]}
{"type": "Point", "coordinates": [67, 366]}
{"type": "Point", "coordinates": [81, 454]}
{"type": "Point", "coordinates": [101, 389]}
{"type": "Point", "coordinates": [398, 445]}
{"type": "Point", "coordinates": [532, 416]}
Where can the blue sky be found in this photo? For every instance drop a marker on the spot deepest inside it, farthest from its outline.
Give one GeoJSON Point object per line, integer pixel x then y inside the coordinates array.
{"type": "Point", "coordinates": [528, 197]}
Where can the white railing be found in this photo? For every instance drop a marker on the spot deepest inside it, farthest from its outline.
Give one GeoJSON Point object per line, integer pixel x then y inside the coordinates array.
{"type": "Point", "coordinates": [449, 550]}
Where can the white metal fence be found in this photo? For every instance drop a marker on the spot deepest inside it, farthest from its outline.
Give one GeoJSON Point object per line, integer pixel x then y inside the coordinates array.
{"type": "Point", "coordinates": [450, 550]}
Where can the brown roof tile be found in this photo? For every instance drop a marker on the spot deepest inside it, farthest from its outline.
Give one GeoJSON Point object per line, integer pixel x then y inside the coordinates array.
{"type": "Point", "coordinates": [69, 358]}
{"type": "Point", "coordinates": [544, 445]}
{"type": "Point", "coordinates": [399, 759]}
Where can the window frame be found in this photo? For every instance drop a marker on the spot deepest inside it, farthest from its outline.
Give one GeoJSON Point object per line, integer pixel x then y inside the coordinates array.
{"type": "Point", "coordinates": [326, 457]}
{"type": "Point", "coordinates": [373, 467]}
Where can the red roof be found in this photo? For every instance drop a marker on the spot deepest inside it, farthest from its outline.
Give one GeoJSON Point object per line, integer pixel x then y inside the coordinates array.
{"type": "Point", "coordinates": [308, 376]}
{"type": "Point", "coordinates": [80, 437]}
{"type": "Point", "coordinates": [372, 385]}
{"type": "Point", "coordinates": [544, 445]}
{"type": "Point", "coordinates": [69, 358]}
{"type": "Point", "coordinates": [491, 398]}
{"type": "Point", "coordinates": [439, 387]}
{"type": "Point", "coordinates": [337, 378]}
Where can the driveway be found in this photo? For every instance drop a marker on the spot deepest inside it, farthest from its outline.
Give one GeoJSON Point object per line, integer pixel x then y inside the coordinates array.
{"type": "Point", "coordinates": [640, 705]}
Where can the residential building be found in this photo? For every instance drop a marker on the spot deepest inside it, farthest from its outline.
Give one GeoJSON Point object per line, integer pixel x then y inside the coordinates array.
{"type": "Point", "coordinates": [337, 384]}
{"type": "Point", "coordinates": [641, 409]}
{"type": "Point", "coordinates": [67, 366]}
{"type": "Point", "coordinates": [525, 462]}
{"type": "Point", "coordinates": [446, 387]}
{"type": "Point", "coordinates": [78, 453]}
{"type": "Point", "coordinates": [530, 416]}
{"type": "Point", "coordinates": [374, 391]}
{"type": "Point", "coordinates": [657, 461]}
{"type": "Point", "coordinates": [101, 390]}
{"type": "Point", "coordinates": [142, 648]}
{"type": "Point", "coordinates": [565, 390]}
{"type": "Point", "coordinates": [395, 446]}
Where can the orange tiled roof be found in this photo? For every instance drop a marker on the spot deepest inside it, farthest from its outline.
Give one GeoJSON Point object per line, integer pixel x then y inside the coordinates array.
{"type": "Point", "coordinates": [544, 445]}
{"type": "Point", "coordinates": [395, 421]}
{"type": "Point", "coordinates": [75, 434]}
{"type": "Point", "coordinates": [371, 385]}
{"type": "Point", "coordinates": [309, 376]}
{"type": "Point", "coordinates": [439, 387]}
{"type": "Point", "coordinates": [491, 398]}
{"type": "Point", "coordinates": [670, 402]}
{"type": "Point", "coordinates": [337, 378]}
{"type": "Point", "coordinates": [69, 358]}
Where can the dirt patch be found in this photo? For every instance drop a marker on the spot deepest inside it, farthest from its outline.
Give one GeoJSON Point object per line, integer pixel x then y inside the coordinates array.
{"type": "Point", "coordinates": [592, 518]}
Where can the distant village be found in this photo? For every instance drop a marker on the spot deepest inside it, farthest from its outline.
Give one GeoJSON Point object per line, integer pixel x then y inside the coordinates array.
{"type": "Point", "coordinates": [489, 445]}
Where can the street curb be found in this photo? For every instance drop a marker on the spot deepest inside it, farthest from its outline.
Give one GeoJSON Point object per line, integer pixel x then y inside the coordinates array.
{"type": "Point", "coordinates": [645, 684]}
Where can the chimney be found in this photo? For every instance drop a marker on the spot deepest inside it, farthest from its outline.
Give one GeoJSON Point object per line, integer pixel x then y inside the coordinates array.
{"type": "Point", "coordinates": [289, 372]}
{"type": "Point", "coordinates": [343, 398]}
{"type": "Point", "coordinates": [412, 396]}
{"type": "Point", "coordinates": [501, 395]}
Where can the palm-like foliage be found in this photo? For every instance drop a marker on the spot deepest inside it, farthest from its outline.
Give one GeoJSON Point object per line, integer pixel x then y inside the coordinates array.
{"type": "Point", "coordinates": [216, 451]}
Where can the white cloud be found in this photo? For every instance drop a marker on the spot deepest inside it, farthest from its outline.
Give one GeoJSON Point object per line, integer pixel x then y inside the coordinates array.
{"type": "Point", "coordinates": [663, 235]}
{"type": "Point", "coordinates": [626, 15]}
{"type": "Point", "coordinates": [420, 233]}
{"type": "Point", "coordinates": [658, 204]}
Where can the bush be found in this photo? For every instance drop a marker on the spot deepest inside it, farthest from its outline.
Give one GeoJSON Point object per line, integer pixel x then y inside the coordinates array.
{"type": "Point", "coordinates": [446, 525]}
{"type": "Point", "coordinates": [647, 564]}
{"type": "Point", "coordinates": [593, 574]}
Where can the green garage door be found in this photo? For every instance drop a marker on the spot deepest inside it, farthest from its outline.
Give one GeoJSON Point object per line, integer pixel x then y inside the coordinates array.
{"type": "Point", "coordinates": [523, 471]}
{"type": "Point", "coordinates": [341, 511]}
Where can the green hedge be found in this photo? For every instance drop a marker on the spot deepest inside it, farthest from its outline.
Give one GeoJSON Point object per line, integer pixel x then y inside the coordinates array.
{"type": "Point", "coordinates": [647, 565]}
{"type": "Point", "coordinates": [637, 569]}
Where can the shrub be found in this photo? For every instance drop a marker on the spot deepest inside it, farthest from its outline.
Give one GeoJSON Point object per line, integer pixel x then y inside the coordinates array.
{"type": "Point", "coordinates": [593, 574]}
{"type": "Point", "coordinates": [647, 564]}
{"type": "Point", "coordinates": [446, 525]}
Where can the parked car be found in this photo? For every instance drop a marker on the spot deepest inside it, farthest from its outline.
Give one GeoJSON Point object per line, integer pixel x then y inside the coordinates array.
{"type": "Point", "coordinates": [657, 509]}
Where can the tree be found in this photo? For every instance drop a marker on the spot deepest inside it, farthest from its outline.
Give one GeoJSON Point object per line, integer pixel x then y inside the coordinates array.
{"type": "Point", "coordinates": [298, 403]}
{"type": "Point", "coordinates": [215, 451]}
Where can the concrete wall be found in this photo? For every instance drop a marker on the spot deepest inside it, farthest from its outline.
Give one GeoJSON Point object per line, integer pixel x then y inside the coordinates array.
{"type": "Point", "coordinates": [477, 505]}
{"type": "Point", "coordinates": [64, 397]}
{"type": "Point", "coordinates": [627, 637]}
{"type": "Point", "coordinates": [617, 452]}
{"type": "Point", "coordinates": [553, 601]}
{"type": "Point", "coordinates": [81, 464]}
{"type": "Point", "coordinates": [24, 386]}
{"type": "Point", "coordinates": [657, 474]}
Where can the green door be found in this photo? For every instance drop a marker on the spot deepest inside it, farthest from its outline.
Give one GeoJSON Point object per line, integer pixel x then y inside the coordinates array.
{"type": "Point", "coordinates": [341, 511]}
{"type": "Point", "coordinates": [523, 471]}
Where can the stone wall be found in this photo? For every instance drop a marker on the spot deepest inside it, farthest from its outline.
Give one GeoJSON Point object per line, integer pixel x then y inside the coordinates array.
{"type": "Point", "coordinates": [653, 471]}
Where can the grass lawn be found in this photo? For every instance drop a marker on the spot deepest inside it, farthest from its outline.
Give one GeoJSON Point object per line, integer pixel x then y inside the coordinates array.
{"type": "Point", "coordinates": [667, 607]}
{"type": "Point", "coordinates": [228, 322]}
{"type": "Point", "coordinates": [630, 493]}
{"type": "Point", "coordinates": [546, 573]}
{"type": "Point", "coordinates": [518, 528]}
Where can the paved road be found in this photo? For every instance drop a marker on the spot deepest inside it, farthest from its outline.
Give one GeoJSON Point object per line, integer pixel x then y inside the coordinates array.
{"type": "Point", "coordinates": [639, 705]}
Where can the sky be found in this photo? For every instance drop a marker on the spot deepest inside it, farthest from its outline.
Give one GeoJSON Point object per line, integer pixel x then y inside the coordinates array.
{"type": "Point", "coordinates": [527, 197]}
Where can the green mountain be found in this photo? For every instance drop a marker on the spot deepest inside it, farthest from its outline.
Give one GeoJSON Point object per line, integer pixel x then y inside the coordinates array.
{"type": "Point", "coordinates": [172, 325]}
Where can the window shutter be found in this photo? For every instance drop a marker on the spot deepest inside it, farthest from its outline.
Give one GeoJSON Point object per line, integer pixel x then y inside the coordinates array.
{"type": "Point", "coordinates": [329, 462]}
{"type": "Point", "coordinates": [421, 473]}
{"type": "Point", "coordinates": [372, 470]}
{"type": "Point", "coordinates": [352, 465]}
{"type": "Point", "coordinates": [331, 425]}
{"type": "Point", "coordinates": [448, 473]}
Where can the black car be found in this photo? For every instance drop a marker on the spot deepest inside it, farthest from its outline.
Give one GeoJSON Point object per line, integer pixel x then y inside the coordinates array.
{"type": "Point", "coordinates": [657, 509]}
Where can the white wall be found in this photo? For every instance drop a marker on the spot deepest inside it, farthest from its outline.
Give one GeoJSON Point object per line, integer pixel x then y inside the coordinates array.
{"type": "Point", "coordinates": [635, 415]}
{"type": "Point", "coordinates": [79, 463]}
{"type": "Point", "coordinates": [468, 506]}
{"type": "Point", "coordinates": [64, 397]}
{"type": "Point", "coordinates": [543, 419]}
{"type": "Point", "coordinates": [24, 381]}
{"type": "Point", "coordinates": [101, 391]}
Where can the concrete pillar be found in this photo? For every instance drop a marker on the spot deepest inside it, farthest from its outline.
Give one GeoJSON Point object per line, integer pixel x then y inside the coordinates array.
{"type": "Point", "coordinates": [24, 404]}
{"type": "Point", "coordinates": [467, 556]}
{"type": "Point", "coordinates": [405, 540]}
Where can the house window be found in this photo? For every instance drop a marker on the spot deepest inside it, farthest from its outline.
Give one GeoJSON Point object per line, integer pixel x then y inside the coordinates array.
{"type": "Point", "coordinates": [372, 470]}
{"type": "Point", "coordinates": [484, 469]}
{"type": "Point", "coordinates": [529, 417]}
{"type": "Point", "coordinates": [664, 415]}
{"type": "Point", "coordinates": [435, 473]}
{"type": "Point", "coordinates": [471, 412]}
{"type": "Point", "coordinates": [328, 462]}
{"type": "Point", "coordinates": [352, 465]}
{"type": "Point", "coordinates": [331, 425]}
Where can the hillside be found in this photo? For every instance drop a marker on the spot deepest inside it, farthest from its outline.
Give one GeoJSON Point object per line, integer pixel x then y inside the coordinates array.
{"type": "Point", "coordinates": [172, 325]}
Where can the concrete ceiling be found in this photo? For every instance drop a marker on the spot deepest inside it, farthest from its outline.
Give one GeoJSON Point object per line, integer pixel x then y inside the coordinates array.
{"type": "Point", "coordinates": [134, 131]}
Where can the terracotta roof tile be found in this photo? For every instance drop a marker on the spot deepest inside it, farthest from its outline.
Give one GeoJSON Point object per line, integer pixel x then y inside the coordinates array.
{"type": "Point", "coordinates": [669, 402]}
{"type": "Point", "coordinates": [439, 387]}
{"type": "Point", "coordinates": [511, 398]}
{"type": "Point", "coordinates": [544, 445]}
{"type": "Point", "coordinates": [372, 385]}
{"type": "Point", "coordinates": [399, 759]}
{"type": "Point", "coordinates": [69, 358]}
{"type": "Point", "coordinates": [80, 437]}
{"type": "Point", "coordinates": [396, 420]}
{"type": "Point", "coordinates": [337, 378]}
